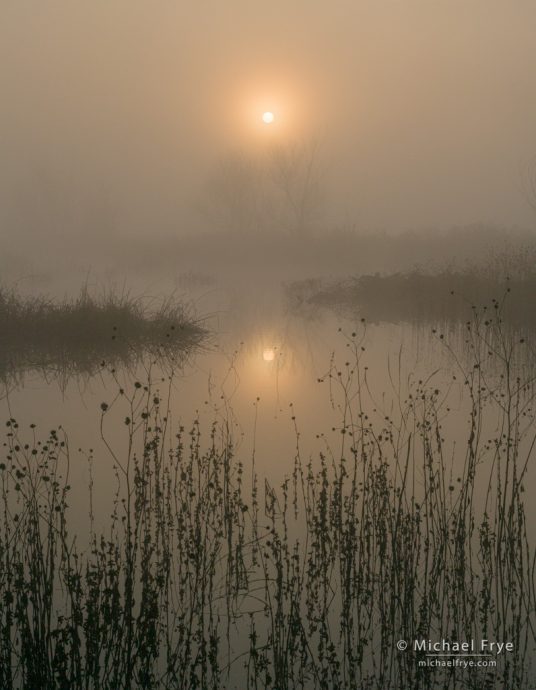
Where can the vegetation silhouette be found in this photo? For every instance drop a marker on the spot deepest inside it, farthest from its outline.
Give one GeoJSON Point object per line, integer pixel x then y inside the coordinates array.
{"type": "Point", "coordinates": [209, 577]}
{"type": "Point", "coordinates": [72, 338]}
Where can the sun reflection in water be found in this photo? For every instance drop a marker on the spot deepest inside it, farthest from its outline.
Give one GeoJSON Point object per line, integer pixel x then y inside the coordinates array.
{"type": "Point", "coordinates": [268, 354]}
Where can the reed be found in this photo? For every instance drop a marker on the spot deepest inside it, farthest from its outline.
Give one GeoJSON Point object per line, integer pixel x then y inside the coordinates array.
{"type": "Point", "coordinates": [209, 577]}
{"type": "Point", "coordinates": [421, 298]}
{"type": "Point", "coordinates": [73, 337]}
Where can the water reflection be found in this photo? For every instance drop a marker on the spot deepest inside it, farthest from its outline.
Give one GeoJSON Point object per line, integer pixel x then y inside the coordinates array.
{"type": "Point", "coordinates": [268, 354]}
{"type": "Point", "coordinates": [321, 455]}
{"type": "Point", "coordinates": [77, 338]}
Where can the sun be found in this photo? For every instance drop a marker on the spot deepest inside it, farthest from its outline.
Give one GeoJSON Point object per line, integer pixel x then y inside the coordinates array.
{"type": "Point", "coordinates": [268, 117]}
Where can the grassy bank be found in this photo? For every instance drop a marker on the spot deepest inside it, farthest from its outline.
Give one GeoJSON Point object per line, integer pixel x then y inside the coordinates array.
{"type": "Point", "coordinates": [418, 297]}
{"type": "Point", "coordinates": [209, 577]}
{"type": "Point", "coordinates": [73, 337]}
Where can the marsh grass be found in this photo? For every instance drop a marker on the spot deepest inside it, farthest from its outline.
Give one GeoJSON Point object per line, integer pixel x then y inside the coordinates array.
{"type": "Point", "coordinates": [418, 297]}
{"type": "Point", "coordinates": [73, 337]}
{"type": "Point", "coordinates": [209, 577]}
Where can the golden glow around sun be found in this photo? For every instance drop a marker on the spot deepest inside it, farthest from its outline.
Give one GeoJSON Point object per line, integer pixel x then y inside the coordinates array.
{"type": "Point", "coordinates": [267, 110]}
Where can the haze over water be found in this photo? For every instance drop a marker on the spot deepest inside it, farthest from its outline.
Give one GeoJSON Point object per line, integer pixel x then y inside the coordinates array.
{"type": "Point", "coordinates": [291, 244]}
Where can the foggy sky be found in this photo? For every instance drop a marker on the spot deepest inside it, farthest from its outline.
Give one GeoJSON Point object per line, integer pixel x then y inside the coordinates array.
{"type": "Point", "coordinates": [113, 114]}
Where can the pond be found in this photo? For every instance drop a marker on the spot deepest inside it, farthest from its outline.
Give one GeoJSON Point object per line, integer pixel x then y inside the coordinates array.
{"type": "Point", "coordinates": [331, 486]}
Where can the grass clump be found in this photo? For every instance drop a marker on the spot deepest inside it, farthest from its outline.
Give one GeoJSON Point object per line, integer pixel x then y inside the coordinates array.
{"type": "Point", "coordinates": [418, 297]}
{"type": "Point", "coordinates": [73, 337]}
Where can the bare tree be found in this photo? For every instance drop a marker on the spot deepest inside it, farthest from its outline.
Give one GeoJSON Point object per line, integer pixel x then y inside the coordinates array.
{"type": "Point", "coordinates": [295, 171]}
{"type": "Point", "coordinates": [232, 195]}
{"type": "Point", "coordinates": [280, 190]}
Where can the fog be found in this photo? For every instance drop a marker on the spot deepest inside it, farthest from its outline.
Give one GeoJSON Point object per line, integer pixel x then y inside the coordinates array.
{"type": "Point", "coordinates": [267, 326]}
{"type": "Point", "coordinates": [116, 116]}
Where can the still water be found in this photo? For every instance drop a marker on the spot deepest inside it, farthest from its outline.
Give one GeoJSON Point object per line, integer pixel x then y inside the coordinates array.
{"type": "Point", "coordinates": [262, 369]}
{"type": "Point", "coordinates": [286, 382]}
